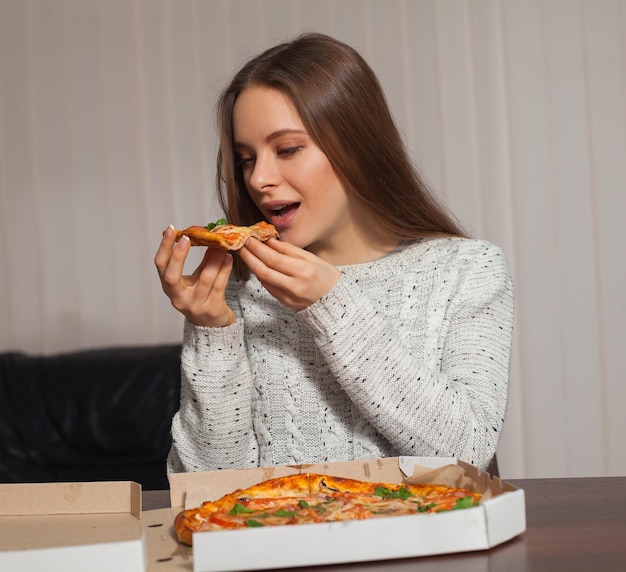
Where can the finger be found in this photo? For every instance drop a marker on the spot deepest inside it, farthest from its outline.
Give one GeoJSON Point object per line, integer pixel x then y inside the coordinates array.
{"type": "Point", "coordinates": [276, 245]}
{"type": "Point", "coordinates": [204, 262]}
{"type": "Point", "coordinates": [221, 281]}
{"type": "Point", "coordinates": [286, 248]}
{"type": "Point", "coordinates": [260, 256]}
{"type": "Point", "coordinates": [254, 258]}
{"type": "Point", "coordinates": [164, 252]}
{"type": "Point", "coordinates": [272, 278]}
{"type": "Point", "coordinates": [210, 285]}
{"type": "Point", "coordinates": [210, 267]}
{"type": "Point", "coordinates": [174, 269]}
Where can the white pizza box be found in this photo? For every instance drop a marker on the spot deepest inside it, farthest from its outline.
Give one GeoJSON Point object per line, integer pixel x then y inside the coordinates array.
{"type": "Point", "coordinates": [71, 527]}
{"type": "Point", "coordinates": [499, 518]}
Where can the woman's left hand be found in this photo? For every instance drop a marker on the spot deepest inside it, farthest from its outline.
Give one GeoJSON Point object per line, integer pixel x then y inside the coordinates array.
{"type": "Point", "coordinates": [295, 277]}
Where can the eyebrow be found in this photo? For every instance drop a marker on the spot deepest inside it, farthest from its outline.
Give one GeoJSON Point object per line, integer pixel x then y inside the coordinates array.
{"type": "Point", "coordinates": [282, 132]}
{"type": "Point", "coordinates": [275, 135]}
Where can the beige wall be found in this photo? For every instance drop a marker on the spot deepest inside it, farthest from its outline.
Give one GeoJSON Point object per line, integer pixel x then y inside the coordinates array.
{"type": "Point", "coordinates": [514, 109]}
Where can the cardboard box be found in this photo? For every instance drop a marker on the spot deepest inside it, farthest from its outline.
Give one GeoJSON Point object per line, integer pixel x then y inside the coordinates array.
{"type": "Point", "coordinates": [497, 519]}
{"type": "Point", "coordinates": [72, 527]}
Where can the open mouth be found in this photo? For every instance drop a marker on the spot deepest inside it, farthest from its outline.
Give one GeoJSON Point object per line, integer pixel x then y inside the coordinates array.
{"type": "Point", "coordinates": [282, 215]}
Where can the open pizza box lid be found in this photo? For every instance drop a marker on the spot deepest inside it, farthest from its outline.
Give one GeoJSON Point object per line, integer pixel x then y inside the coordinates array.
{"type": "Point", "coordinates": [500, 517]}
{"type": "Point", "coordinates": [72, 527]}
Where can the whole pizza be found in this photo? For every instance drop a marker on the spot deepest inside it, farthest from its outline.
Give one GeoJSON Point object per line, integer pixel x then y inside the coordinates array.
{"type": "Point", "coordinates": [310, 498]}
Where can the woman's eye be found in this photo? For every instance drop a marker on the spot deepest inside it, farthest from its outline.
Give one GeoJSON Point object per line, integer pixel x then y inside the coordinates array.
{"type": "Point", "coordinates": [289, 151]}
{"type": "Point", "coordinates": [243, 161]}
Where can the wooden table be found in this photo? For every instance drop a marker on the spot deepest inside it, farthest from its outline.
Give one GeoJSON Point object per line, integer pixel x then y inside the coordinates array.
{"type": "Point", "coordinates": [573, 524]}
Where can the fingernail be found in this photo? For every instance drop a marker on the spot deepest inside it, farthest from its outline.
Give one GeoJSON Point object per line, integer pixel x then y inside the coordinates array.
{"type": "Point", "coordinates": [183, 241]}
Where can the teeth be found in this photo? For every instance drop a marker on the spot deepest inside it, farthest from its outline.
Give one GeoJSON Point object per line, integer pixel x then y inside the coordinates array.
{"type": "Point", "coordinates": [280, 210]}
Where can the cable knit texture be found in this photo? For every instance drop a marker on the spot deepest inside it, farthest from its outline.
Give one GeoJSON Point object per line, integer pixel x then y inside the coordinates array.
{"type": "Point", "coordinates": [406, 355]}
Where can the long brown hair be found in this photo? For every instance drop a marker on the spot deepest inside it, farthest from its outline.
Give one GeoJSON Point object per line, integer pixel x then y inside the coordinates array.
{"type": "Point", "coordinates": [342, 105]}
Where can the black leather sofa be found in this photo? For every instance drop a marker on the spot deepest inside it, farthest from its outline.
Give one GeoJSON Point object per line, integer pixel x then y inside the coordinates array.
{"type": "Point", "coordinates": [91, 415]}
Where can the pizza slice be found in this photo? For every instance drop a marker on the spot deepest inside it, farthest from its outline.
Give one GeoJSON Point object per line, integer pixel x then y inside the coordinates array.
{"type": "Point", "coordinates": [310, 498]}
{"type": "Point", "coordinates": [227, 236]}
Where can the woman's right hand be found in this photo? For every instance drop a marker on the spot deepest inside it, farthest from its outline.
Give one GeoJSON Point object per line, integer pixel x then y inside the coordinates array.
{"type": "Point", "coordinates": [200, 296]}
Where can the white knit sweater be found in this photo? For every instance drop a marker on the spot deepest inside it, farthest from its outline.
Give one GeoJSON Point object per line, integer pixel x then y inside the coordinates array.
{"type": "Point", "coordinates": [406, 355]}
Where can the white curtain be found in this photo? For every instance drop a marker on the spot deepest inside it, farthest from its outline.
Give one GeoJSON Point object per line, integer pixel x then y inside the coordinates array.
{"type": "Point", "coordinates": [514, 110]}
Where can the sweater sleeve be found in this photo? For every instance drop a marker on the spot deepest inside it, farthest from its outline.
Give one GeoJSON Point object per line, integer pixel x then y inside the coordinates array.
{"type": "Point", "coordinates": [451, 399]}
{"type": "Point", "coordinates": [213, 427]}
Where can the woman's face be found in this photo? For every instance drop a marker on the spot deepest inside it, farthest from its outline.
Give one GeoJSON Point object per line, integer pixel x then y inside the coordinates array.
{"type": "Point", "coordinates": [289, 178]}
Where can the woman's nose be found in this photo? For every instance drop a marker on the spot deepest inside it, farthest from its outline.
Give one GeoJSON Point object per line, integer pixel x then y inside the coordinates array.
{"type": "Point", "coordinates": [264, 173]}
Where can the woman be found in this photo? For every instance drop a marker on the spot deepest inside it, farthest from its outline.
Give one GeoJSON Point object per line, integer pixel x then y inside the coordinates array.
{"type": "Point", "coordinates": [373, 327]}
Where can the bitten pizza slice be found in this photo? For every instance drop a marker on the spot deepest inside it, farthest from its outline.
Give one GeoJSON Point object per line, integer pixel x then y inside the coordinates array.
{"type": "Point", "coordinates": [227, 236]}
